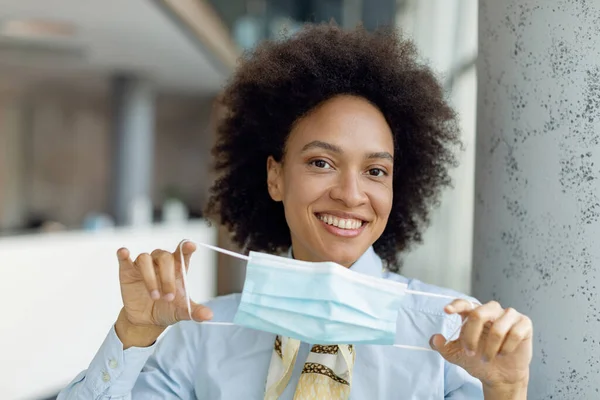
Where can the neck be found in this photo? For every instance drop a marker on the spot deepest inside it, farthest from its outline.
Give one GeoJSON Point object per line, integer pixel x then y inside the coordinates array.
{"type": "Point", "coordinates": [313, 259]}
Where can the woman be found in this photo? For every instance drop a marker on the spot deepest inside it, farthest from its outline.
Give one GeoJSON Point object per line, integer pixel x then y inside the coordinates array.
{"type": "Point", "coordinates": [335, 147]}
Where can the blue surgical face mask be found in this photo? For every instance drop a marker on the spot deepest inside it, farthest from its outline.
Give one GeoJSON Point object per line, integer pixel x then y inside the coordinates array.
{"type": "Point", "coordinates": [321, 302]}
{"type": "Point", "coordinates": [317, 302]}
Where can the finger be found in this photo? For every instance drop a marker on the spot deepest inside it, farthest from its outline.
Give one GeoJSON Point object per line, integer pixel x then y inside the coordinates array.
{"type": "Point", "coordinates": [437, 341]}
{"type": "Point", "coordinates": [187, 249]}
{"type": "Point", "coordinates": [452, 352]}
{"type": "Point", "coordinates": [165, 265]}
{"type": "Point", "coordinates": [123, 257]}
{"type": "Point", "coordinates": [144, 264]}
{"type": "Point", "coordinates": [471, 331]}
{"type": "Point", "coordinates": [497, 333]}
{"type": "Point", "coordinates": [519, 333]}
{"type": "Point", "coordinates": [459, 306]}
{"type": "Point", "coordinates": [199, 313]}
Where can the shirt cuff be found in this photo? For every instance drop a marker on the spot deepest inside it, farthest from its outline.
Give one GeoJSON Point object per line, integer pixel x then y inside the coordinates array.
{"type": "Point", "coordinates": [114, 371]}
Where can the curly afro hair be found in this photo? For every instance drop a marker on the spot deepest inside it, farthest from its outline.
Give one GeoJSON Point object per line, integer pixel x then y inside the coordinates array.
{"type": "Point", "coordinates": [283, 80]}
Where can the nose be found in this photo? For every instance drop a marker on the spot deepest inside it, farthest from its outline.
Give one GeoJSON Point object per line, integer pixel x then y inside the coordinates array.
{"type": "Point", "coordinates": [349, 191]}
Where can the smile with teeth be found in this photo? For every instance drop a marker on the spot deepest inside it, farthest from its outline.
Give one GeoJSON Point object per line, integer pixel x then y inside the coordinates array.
{"type": "Point", "coordinates": [342, 223]}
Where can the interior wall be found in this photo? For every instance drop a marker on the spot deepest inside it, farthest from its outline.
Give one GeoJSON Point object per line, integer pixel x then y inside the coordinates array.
{"type": "Point", "coordinates": [55, 153]}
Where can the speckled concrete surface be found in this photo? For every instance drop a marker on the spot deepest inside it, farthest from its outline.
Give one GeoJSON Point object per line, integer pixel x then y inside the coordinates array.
{"type": "Point", "coordinates": [537, 206]}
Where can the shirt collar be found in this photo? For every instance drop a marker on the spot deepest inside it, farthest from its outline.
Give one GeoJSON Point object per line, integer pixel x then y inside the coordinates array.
{"type": "Point", "coordinates": [368, 264]}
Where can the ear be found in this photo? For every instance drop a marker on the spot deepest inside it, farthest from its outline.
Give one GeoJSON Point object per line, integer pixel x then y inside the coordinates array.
{"type": "Point", "coordinates": [275, 179]}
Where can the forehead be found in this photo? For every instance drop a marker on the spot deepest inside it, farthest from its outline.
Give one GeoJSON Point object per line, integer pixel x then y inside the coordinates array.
{"type": "Point", "coordinates": [349, 122]}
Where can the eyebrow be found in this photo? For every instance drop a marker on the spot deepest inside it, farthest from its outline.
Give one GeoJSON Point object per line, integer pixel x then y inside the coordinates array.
{"type": "Point", "coordinates": [381, 155]}
{"type": "Point", "coordinates": [317, 144]}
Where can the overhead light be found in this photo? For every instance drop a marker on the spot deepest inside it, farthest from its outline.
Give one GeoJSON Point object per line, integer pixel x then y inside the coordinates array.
{"type": "Point", "coordinates": [37, 28]}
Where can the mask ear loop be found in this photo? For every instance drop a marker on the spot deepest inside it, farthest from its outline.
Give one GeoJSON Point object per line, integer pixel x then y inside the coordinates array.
{"type": "Point", "coordinates": [405, 346]}
{"type": "Point", "coordinates": [184, 274]}
{"type": "Point", "coordinates": [246, 258]}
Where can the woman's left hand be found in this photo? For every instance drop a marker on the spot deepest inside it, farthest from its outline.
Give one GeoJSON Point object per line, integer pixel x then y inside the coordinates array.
{"type": "Point", "coordinates": [494, 346]}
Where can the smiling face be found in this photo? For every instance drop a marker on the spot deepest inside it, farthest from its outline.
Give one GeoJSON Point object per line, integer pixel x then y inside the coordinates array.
{"type": "Point", "coordinates": [335, 180]}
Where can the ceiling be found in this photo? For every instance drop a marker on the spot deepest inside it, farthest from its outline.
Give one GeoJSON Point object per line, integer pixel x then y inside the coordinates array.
{"type": "Point", "coordinates": [133, 36]}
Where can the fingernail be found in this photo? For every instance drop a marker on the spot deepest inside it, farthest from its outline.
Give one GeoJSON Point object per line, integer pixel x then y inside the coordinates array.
{"type": "Point", "coordinates": [169, 297]}
{"type": "Point", "coordinates": [470, 353]}
{"type": "Point", "coordinates": [155, 295]}
{"type": "Point", "coordinates": [450, 309]}
{"type": "Point", "coordinates": [206, 314]}
{"type": "Point", "coordinates": [432, 344]}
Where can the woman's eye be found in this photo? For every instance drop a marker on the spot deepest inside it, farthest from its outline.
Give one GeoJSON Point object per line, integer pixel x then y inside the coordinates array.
{"type": "Point", "coordinates": [376, 172]}
{"type": "Point", "coordinates": [320, 164]}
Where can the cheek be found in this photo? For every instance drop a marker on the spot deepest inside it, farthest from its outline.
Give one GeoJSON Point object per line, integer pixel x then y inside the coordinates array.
{"type": "Point", "coordinates": [298, 201]}
{"type": "Point", "coordinates": [381, 200]}
{"type": "Point", "coordinates": [303, 191]}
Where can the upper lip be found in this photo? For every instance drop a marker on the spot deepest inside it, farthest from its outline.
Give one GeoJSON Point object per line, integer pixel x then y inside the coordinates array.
{"type": "Point", "coordinates": [345, 215]}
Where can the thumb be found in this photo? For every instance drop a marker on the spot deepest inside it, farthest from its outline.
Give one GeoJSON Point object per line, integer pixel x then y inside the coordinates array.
{"type": "Point", "coordinates": [185, 249]}
{"type": "Point", "coordinates": [199, 312]}
{"type": "Point", "coordinates": [451, 351]}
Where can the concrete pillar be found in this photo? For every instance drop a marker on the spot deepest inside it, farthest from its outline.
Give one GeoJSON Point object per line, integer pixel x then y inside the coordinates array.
{"type": "Point", "coordinates": [133, 149]}
{"type": "Point", "coordinates": [537, 195]}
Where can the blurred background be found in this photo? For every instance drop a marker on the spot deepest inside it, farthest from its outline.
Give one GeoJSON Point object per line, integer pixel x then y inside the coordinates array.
{"type": "Point", "coordinates": [107, 112]}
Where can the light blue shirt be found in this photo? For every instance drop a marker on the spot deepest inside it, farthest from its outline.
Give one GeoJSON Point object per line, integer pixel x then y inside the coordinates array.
{"type": "Point", "coordinates": [220, 362]}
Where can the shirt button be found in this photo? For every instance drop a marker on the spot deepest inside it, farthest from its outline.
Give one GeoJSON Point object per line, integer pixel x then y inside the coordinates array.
{"type": "Point", "coordinates": [113, 363]}
{"type": "Point", "coordinates": [105, 377]}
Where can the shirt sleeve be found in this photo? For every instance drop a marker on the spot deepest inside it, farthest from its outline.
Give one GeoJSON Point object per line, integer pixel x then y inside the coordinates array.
{"type": "Point", "coordinates": [135, 373]}
{"type": "Point", "coordinates": [460, 385]}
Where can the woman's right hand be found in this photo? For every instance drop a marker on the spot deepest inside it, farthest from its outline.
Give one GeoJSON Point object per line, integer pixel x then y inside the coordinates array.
{"type": "Point", "coordinates": [152, 288]}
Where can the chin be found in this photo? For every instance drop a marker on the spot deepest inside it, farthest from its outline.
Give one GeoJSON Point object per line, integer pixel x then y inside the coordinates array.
{"type": "Point", "coordinates": [345, 258]}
